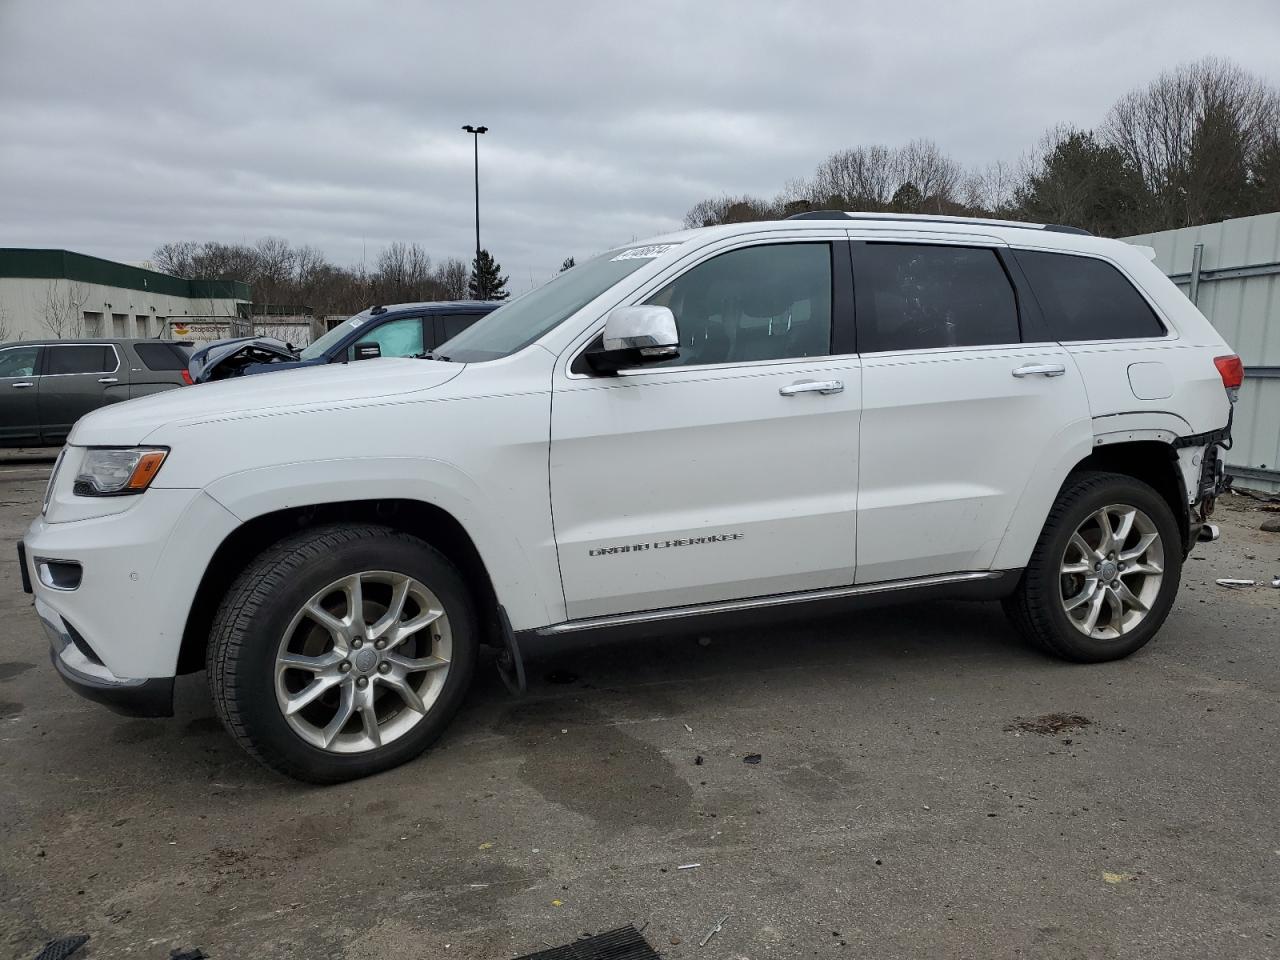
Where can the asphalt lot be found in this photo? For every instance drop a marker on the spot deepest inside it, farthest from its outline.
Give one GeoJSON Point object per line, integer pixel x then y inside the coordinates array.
{"type": "Point", "coordinates": [897, 809]}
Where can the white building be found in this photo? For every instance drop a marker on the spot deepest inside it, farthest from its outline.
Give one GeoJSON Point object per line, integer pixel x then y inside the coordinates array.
{"type": "Point", "coordinates": [58, 293]}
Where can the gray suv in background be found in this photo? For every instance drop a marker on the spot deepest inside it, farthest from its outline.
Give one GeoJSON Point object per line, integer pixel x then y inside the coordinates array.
{"type": "Point", "coordinates": [47, 385]}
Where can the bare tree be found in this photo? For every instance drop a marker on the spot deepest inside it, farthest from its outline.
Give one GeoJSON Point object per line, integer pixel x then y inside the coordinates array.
{"type": "Point", "coordinates": [452, 278]}
{"type": "Point", "coordinates": [992, 190]}
{"type": "Point", "coordinates": [915, 178]}
{"type": "Point", "coordinates": [61, 311]}
{"type": "Point", "coordinates": [6, 327]}
{"type": "Point", "coordinates": [1195, 135]}
{"type": "Point", "coordinates": [176, 258]}
{"type": "Point", "coordinates": [728, 209]}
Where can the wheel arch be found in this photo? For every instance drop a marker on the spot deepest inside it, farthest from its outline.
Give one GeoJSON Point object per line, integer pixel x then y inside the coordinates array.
{"type": "Point", "coordinates": [1153, 461]}
{"type": "Point", "coordinates": [1136, 444]}
{"type": "Point", "coordinates": [427, 521]}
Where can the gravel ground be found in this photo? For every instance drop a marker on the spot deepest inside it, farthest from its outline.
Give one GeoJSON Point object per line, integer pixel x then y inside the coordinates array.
{"type": "Point", "coordinates": [927, 786]}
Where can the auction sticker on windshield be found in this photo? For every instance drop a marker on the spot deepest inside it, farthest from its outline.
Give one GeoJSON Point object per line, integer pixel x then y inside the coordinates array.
{"type": "Point", "coordinates": [646, 253]}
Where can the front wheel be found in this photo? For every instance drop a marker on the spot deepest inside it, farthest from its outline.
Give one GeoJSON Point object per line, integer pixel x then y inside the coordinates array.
{"type": "Point", "coordinates": [342, 651]}
{"type": "Point", "coordinates": [1104, 573]}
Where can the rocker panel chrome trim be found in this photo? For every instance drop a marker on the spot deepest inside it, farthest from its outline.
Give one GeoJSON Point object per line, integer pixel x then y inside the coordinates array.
{"type": "Point", "coordinates": [775, 600]}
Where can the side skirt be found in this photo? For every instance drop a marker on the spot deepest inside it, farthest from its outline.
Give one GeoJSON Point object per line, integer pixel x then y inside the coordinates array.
{"type": "Point", "coordinates": [726, 614]}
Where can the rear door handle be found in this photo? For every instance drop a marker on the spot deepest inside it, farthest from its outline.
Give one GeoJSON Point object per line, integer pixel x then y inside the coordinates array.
{"type": "Point", "coordinates": [1041, 370]}
{"type": "Point", "coordinates": [108, 379]}
{"type": "Point", "coordinates": [19, 386]}
{"type": "Point", "coordinates": [812, 386]}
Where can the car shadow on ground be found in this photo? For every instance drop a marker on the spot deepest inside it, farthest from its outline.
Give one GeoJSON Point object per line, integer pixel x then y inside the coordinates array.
{"type": "Point", "coordinates": [660, 674]}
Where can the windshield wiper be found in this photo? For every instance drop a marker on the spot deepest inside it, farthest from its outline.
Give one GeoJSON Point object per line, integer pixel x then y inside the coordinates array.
{"type": "Point", "coordinates": [431, 356]}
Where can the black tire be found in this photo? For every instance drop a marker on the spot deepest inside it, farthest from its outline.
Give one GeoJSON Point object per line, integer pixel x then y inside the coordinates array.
{"type": "Point", "coordinates": [1035, 607]}
{"type": "Point", "coordinates": [257, 610]}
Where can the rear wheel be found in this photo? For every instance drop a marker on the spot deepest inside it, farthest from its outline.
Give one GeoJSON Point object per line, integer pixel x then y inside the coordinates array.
{"type": "Point", "coordinates": [1104, 573]}
{"type": "Point", "coordinates": [342, 651]}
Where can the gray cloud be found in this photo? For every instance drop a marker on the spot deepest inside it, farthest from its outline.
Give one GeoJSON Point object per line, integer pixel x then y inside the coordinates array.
{"type": "Point", "coordinates": [130, 124]}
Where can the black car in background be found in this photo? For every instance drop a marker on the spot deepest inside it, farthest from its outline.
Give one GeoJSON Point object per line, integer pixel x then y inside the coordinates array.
{"type": "Point", "coordinates": [47, 385]}
{"type": "Point", "coordinates": [397, 330]}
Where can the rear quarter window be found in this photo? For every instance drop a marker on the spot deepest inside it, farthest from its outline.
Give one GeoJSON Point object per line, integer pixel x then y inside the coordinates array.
{"type": "Point", "coordinates": [1084, 298]}
{"type": "Point", "coordinates": [162, 356]}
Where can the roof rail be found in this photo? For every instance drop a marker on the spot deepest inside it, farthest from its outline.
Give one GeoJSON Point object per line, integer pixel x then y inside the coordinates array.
{"type": "Point", "coordinates": [923, 218]}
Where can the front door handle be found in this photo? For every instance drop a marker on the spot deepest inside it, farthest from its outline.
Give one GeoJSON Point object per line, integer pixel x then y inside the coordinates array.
{"type": "Point", "coordinates": [1041, 370]}
{"type": "Point", "coordinates": [19, 386]}
{"type": "Point", "coordinates": [812, 386]}
{"type": "Point", "coordinates": [108, 379]}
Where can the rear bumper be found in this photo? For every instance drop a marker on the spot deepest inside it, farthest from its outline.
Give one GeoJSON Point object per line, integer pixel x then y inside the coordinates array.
{"type": "Point", "coordinates": [151, 697]}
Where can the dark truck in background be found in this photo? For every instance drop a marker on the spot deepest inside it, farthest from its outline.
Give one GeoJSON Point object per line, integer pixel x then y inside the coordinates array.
{"type": "Point", "coordinates": [47, 385]}
{"type": "Point", "coordinates": [393, 330]}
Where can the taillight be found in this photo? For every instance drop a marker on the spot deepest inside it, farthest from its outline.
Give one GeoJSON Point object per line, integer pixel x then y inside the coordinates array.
{"type": "Point", "coordinates": [1232, 372]}
{"type": "Point", "coordinates": [186, 378]}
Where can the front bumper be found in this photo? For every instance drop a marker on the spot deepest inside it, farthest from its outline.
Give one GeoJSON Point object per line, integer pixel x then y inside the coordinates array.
{"type": "Point", "coordinates": [80, 670]}
{"type": "Point", "coordinates": [120, 625]}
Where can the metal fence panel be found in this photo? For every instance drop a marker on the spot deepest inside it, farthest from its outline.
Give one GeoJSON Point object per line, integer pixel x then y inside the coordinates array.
{"type": "Point", "coordinates": [1231, 270]}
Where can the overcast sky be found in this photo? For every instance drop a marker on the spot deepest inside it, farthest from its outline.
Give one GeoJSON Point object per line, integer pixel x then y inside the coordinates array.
{"type": "Point", "coordinates": [127, 124]}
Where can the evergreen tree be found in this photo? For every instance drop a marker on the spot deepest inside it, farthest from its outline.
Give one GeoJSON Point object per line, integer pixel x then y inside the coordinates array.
{"type": "Point", "coordinates": [568, 264]}
{"type": "Point", "coordinates": [486, 282]}
{"type": "Point", "coordinates": [907, 199]}
{"type": "Point", "coordinates": [1084, 183]}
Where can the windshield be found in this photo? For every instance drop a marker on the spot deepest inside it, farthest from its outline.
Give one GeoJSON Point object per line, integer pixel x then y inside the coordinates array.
{"type": "Point", "coordinates": [522, 321]}
{"type": "Point", "coordinates": [322, 346]}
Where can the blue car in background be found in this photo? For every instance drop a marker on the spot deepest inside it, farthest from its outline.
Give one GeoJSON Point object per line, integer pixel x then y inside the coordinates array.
{"type": "Point", "coordinates": [396, 330]}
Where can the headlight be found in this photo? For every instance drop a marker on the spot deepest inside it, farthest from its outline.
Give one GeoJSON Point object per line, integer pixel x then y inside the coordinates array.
{"type": "Point", "coordinates": [109, 472]}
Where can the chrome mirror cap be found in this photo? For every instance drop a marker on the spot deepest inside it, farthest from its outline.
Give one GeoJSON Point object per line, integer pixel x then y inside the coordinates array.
{"type": "Point", "coordinates": [650, 330]}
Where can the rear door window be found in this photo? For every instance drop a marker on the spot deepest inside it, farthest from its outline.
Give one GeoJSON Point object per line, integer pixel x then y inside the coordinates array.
{"type": "Point", "coordinates": [162, 356]}
{"type": "Point", "coordinates": [1084, 298]}
{"type": "Point", "coordinates": [452, 324]}
{"type": "Point", "coordinates": [921, 297]}
{"type": "Point", "coordinates": [79, 358]}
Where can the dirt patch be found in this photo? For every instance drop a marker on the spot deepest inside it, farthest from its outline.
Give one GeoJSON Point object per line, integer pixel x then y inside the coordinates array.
{"type": "Point", "coordinates": [13, 668]}
{"type": "Point", "coordinates": [1050, 724]}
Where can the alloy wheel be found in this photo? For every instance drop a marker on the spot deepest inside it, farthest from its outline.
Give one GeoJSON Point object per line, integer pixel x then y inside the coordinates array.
{"type": "Point", "coordinates": [363, 661]}
{"type": "Point", "coordinates": [1111, 572]}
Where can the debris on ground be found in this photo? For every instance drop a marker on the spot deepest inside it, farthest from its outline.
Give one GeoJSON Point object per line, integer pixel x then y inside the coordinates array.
{"type": "Point", "coordinates": [688, 728]}
{"type": "Point", "coordinates": [1271, 525]}
{"type": "Point", "coordinates": [1117, 877]}
{"type": "Point", "coordinates": [751, 758]}
{"type": "Point", "coordinates": [195, 953]}
{"type": "Point", "coordinates": [1050, 724]}
{"type": "Point", "coordinates": [624, 943]}
{"type": "Point", "coordinates": [1234, 582]}
{"type": "Point", "coordinates": [63, 947]}
{"type": "Point", "coordinates": [697, 761]}
{"type": "Point", "coordinates": [713, 931]}
{"type": "Point", "coordinates": [688, 866]}
{"type": "Point", "coordinates": [1275, 582]}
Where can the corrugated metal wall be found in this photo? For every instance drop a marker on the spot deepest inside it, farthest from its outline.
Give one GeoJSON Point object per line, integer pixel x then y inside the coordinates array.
{"type": "Point", "coordinates": [1238, 289]}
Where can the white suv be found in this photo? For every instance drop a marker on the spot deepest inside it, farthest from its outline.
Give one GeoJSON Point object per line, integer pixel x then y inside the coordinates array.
{"type": "Point", "coordinates": [824, 411]}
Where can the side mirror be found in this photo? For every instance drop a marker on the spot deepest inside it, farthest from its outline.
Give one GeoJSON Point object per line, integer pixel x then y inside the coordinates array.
{"type": "Point", "coordinates": [367, 350]}
{"type": "Point", "coordinates": [635, 336]}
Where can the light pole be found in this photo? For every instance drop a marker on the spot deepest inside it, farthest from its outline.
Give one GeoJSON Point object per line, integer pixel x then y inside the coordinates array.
{"type": "Point", "coordinates": [475, 139]}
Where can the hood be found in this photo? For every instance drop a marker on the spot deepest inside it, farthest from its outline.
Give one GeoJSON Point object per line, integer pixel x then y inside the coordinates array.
{"type": "Point", "coordinates": [303, 388]}
{"type": "Point", "coordinates": [226, 358]}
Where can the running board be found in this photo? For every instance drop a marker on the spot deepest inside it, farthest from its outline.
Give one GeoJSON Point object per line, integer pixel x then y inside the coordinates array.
{"type": "Point", "coordinates": [776, 600]}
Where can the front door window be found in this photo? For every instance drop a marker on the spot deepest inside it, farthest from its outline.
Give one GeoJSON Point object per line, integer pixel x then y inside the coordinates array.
{"type": "Point", "coordinates": [396, 338]}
